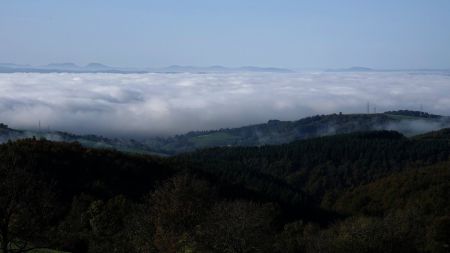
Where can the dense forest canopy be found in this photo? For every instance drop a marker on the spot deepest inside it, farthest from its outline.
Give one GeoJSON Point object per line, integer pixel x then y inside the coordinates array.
{"type": "Point", "coordinates": [373, 191]}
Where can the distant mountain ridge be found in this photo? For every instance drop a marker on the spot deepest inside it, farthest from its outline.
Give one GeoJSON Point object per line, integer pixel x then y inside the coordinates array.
{"type": "Point", "coordinates": [274, 132]}
{"type": "Point", "coordinates": [352, 69]}
{"type": "Point", "coordinates": [217, 68]}
{"type": "Point", "coordinates": [366, 69]}
{"type": "Point", "coordinates": [64, 65]}
{"type": "Point", "coordinates": [94, 67]}
{"type": "Point", "coordinates": [68, 67]}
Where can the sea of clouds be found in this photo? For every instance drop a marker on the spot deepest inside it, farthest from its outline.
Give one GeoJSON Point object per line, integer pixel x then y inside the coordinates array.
{"type": "Point", "coordinates": [140, 105]}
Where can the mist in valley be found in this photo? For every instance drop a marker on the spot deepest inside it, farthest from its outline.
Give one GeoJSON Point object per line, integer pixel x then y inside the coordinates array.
{"type": "Point", "coordinates": [160, 104]}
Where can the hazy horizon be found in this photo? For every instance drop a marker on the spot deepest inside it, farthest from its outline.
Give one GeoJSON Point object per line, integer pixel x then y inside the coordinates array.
{"type": "Point", "coordinates": [337, 68]}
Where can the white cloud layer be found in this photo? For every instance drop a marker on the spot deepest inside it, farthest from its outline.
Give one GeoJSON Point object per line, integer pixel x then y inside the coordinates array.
{"type": "Point", "coordinates": [138, 105]}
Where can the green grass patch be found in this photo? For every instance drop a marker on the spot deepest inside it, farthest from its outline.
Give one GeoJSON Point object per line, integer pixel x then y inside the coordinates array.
{"type": "Point", "coordinates": [403, 117]}
{"type": "Point", "coordinates": [216, 139]}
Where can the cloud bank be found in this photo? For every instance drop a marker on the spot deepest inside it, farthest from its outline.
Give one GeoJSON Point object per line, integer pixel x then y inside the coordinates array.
{"type": "Point", "coordinates": [144, 105]}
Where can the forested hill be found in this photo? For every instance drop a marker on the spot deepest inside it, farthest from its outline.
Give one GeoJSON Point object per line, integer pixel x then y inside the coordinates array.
{"type": "Point", "coordinates": [376, 191]}
{"type": "Point", "coordinates": [273, 132]}
{"type": "Point", "coordinates": [278, 132]}
{"type": "Point", "coordinates": [321, 167]}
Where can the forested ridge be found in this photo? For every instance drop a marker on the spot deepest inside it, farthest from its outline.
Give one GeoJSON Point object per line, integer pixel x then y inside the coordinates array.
{"type": "Point", "coordinates": [273, 132]}
{"type": "Point", "coordinates": [373, 191]}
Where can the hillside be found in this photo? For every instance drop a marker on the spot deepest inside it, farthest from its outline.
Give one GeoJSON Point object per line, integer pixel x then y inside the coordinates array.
{"type": "Point", "coordinates": [443, 134]}
{"type": "Point", "coordinates": [354, 192]}
{"type": "Point", "coordinates": [92, 141]}
{"type": "Point", "coordinates": [276, 132]}
{"type": "Point", "coordinates": [321, 167]}
{"type": "Point", "coordinates": [273, 132]}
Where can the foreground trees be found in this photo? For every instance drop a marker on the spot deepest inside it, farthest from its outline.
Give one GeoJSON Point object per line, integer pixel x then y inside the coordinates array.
{"type": "Point", "coordinates": [237, 227]}
{"type": "Point", "coordinates": [26, 206]}
{"type": "Point", "coordinates": [176, 208]}
{"type": "Point", "coordinates": [376, 192]}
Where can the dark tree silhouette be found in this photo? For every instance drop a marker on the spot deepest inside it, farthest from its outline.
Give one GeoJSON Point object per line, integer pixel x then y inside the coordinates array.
{"type": "Point", "coordinates": [25, 207]}
{"type": "Point", "coordinates": [237, 227]}
{"type": "Point", "coordinates": [176, 208]}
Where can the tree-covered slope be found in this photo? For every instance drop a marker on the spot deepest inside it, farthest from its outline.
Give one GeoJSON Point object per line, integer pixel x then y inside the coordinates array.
{"type": "Point", "coordinates": [325, 165]}
{"type": "Point", "coordinates": [425, 188]}
{"type": "Point", "coordinates": [376, 191]}
{"type": "Point", "coordinates": [278, 132]}
{"type": "Point", "coordinates": [274, 132]}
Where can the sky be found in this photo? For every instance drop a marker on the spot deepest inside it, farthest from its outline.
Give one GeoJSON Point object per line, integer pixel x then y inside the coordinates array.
{"type": "Point", "coordinates": [161, 104]}
{"type": "Point", "coordinates": [384, 34]}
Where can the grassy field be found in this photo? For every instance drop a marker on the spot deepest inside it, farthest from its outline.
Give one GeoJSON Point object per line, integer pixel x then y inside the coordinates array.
{"type": "Point", "coordinates": [213, 139]}
{"type": "Point", "coordinates": [405, 117]}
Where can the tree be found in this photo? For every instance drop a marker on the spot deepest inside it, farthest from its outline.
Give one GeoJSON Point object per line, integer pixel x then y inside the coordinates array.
{"type": "Point", "coordinates": [176, 208]}
{"type": "Point", "coordinates": [398, 232]}
{"type": "Point", "coordinates": [107, 220]}
{"type": "Point", "coordinates": [237, 227]}
{"type": "Point", "coordinates": [440, 235]}
{"type": "Point", "coordinates": [26, 207]}
{"type": "Point", "coordinates": [140, 230]}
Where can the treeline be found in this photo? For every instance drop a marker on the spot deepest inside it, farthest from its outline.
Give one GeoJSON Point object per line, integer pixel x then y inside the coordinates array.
{"type": "Point", "coordinates": [276, 132]}
{"type": "Point", "coordinates": [410, 113]}
{"type": "Point", "coordinates": [361, 192]}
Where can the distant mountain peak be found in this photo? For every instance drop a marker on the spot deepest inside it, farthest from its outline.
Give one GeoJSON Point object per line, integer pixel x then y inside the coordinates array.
{"type": "Point", "coordinates": [359, 68]}
{"type": "Point", "coordinates": [264, 69]}
{"type": "Point", "coordinates": [96, 65]}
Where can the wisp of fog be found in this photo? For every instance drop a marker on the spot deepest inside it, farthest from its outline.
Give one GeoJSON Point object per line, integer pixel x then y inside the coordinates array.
{"type": "Point", "coordinates": [144, 105]}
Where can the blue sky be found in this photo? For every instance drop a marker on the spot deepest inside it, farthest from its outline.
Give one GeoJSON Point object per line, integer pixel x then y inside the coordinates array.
{"type": "Point", "coordinates": [294, 34]}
